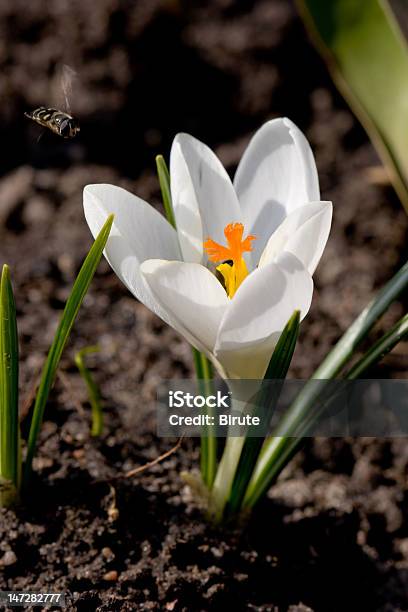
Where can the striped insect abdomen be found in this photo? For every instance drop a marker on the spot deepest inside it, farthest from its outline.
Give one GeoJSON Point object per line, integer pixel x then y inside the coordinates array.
{"type": "Point", "coordinates": [55, 120]}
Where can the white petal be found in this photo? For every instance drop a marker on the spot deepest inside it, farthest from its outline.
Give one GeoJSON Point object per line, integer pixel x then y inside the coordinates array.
{"type": "Point", "coordinates": [304, 233]}
{"type": "Point", "coordinates": [248, 362]}
{"type": "Point", "coordinates": [139, 232]}
{"type": "Point", "coordinates": [276, 175]}
{"type": "Point", "coordinates": [258, 313]}
{"type": "Point", "coordinates": [185, 206]}
{"type": "Point", "coordinates": [204, 199]}
{"type": "Point", "coordinates": [192, 297]}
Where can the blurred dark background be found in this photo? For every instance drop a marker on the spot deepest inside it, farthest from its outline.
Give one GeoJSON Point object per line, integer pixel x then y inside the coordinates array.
{"type": "Point", "coordinates": [146, 70]}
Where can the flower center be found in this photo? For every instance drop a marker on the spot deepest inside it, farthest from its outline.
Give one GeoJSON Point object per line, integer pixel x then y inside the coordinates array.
{"type": "Point", "coordinates": [233, 270]}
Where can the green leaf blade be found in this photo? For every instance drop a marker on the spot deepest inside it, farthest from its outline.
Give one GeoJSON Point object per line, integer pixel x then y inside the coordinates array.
{"type": "Point", "coordinates": [9, 424]}
{"type": "Point", "coordinates": [278, 449]}
{"type": "Point", "coordinates": [71, 309]}
{"type": "Point", "coordinates": [380, 349]}
{"type": "Point", "coordinates": [164, 180]}
{"type": "Point", "coordinates": [93, 390]}
{"type": "Point", "coordinates": [368, 59]}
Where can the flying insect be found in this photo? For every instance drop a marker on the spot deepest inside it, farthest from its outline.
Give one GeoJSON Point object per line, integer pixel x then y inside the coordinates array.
{"type": "Point", "coordinates": [61, 122]}
{"type": "Point", "coordinates": [57, 121]}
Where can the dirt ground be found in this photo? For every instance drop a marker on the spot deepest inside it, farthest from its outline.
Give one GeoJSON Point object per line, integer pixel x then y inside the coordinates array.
{"type": "Point", "coordinates": [332, 534]}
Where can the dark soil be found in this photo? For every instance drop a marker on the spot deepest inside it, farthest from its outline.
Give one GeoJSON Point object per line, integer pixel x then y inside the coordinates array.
{"type": "Point", "coordinates": [332, 534]}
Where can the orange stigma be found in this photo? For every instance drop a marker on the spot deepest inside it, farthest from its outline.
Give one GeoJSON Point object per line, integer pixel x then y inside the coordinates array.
{"type": "Point", "coordinates": [233, 233]}
{"type": "Point", "coordinates": [233, 270]}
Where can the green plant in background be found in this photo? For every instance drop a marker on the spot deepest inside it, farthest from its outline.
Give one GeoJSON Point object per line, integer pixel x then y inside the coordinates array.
{"type": "Point", "coordinates": [93, 389]}
{"type": "Point", "coordinates": [367, 56]}
{"type": "Point", "coordinates": [11, 464]}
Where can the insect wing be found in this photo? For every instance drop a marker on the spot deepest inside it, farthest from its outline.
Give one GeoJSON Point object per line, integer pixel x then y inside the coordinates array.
{"type": "Point", "coordinates": [59, 119]}
{"type": "Point", "coordinates": [63, 85]}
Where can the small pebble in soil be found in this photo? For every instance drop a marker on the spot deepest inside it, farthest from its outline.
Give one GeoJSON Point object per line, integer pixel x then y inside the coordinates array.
{"type": "Point", "coordinates": [240, 577]}
{"type": "Point", "coordinates": [42, 463]}
{"type": "Point", "coordinates": [107, 553]}
{"type": "Point", "coordinates": [66, 264]}
{"type": "Point", "coordinates": [403, 547]}
{"type": "Point", "coordinates": [214, 589]}
{"type": "Point", "coordinates": [9, 558]}
{"type": "Point", "coordinates": [111, 576]}
{"type": "Point", "coordinates": [113, 514]}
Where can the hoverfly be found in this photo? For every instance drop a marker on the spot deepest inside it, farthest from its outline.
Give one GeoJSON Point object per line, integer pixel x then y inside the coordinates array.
{"type": "Point", "coordinates": [60, 122]}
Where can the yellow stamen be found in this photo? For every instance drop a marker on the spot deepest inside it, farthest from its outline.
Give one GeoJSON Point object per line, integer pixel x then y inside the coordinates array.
{"type": "Point", "coordinates": [233, 270]}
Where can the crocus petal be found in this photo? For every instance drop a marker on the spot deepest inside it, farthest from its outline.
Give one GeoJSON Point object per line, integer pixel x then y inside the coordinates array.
{"type": "Point", "coordinates": [304, 233]}
{"type": "Point", "coordinates": [139, 232]}
{"type": "Point", "coordinates": [192, 297]}
{"type": "Point", "coordinates": [204, 199]}
{"type": "Point", "coordinates": [258, 313]}
{"type": "Point", "coordinates": [276, 175]}
{"type": "Point", "coordinates": [185, 205]}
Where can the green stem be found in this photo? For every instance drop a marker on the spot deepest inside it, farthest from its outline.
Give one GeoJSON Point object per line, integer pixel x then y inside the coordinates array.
{"type": "Point", "coordinates": [265, 403]}
{"type": "Point", "coordinates": [240, 452]}
{"type": "Point", "coordinates": [227, 468]}
{"type": "Point", "coordinates": [208, 456]}
{"type": "Point", "coordinates": [280, 448]}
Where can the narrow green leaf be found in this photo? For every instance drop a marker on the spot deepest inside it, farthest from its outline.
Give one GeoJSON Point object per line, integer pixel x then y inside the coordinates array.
{"type": "Point", "coordinates": [368, 60]}
{"type": "Point", "coordinates": [203, 367]}
{"type": "Point", "coordinates": [286, 448]}
{"type": "Point", "coordinates": [208, 455]}
{"type": "Point", "coordinates": [164, 180]}
{"type": "Point", "coordinates": [9, 425]}
{"type": "Point", "coordinates": [265, 403]}
{"type": "Point", "coordinates": [72, 307]}
{"type": "Point", "coordinates": [380, 349]}
{"type": "Point", "coordinates": [93, 389]}
{"type": "Point", "coordinates": [341, 354]}
{"type": "Point", "coordinates": [282, 355]}
{"type": "Point", "coordinates": [278, 449]}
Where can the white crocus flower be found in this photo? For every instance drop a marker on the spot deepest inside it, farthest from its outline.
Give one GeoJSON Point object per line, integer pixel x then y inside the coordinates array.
{"type": "Point", "coordinates": [242, 258]}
